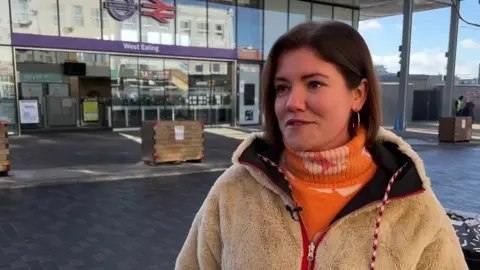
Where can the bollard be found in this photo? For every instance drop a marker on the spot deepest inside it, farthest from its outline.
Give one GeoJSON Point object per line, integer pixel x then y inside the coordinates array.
{"type": "Point", "coordinates": [467, 228]}
{"type": "Point", "coordinates": [396, 124]}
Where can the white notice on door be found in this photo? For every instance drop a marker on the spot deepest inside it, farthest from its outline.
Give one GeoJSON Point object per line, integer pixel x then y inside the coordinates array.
{"type": "Point", "coordinates": [242, 86]}
{"type": "Point", "coordinates": [179, 133]}
{"type": "Point", "coordinates": [29, 111]}
{"type": "Point", "coordinates": [67, 102]}
{"type": "Point", "coordinates": [464, 123]}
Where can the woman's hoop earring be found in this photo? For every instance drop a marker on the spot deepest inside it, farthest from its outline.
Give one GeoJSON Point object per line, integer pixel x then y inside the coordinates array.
{"type": "Point", "coordinates": [356, 124]}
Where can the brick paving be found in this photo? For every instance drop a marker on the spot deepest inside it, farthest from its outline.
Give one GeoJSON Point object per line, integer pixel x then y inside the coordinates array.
{"type": "Point", "coordinates": [141, 224]}
{"type": "Point", "coordinates": [115, 225]}
{"type": "Point", "coordinates": [455, 176]}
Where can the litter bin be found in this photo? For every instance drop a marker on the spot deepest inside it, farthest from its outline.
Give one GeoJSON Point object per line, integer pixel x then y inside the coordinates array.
{"type": "Point", "coordinates": [4, 152]}
{"type": "Point", "coordinates": [467, 228]}
{"type": "Point", "coordinates": [172, 141]}
{"type": "Point", "coordinates": [455, 129]}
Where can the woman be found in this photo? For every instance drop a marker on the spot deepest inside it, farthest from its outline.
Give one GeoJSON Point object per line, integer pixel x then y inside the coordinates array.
{"type": "Point", "coordinates": [324, 187]}
{"type": "Point", "coordinates": [469, 110]}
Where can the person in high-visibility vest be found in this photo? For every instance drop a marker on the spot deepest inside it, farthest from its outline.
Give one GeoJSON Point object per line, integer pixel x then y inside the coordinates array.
{"type": "Point", "coordinates": [458, 106]}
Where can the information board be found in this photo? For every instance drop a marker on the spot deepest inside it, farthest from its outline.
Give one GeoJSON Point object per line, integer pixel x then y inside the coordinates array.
{"type": "Point", "coordinates": [29, 111]}
{"type": "Point", "coordinates": [90, 110]}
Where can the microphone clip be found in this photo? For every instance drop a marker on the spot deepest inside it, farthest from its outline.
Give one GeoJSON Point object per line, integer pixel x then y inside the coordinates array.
{"type": "Point", "coordinates": [294, 212]}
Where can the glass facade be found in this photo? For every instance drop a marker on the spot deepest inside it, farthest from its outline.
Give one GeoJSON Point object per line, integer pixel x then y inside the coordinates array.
{"type": "Point", "coordinates": [35, 17]}
{"type": "Point", "coordinates": [299, 12]}
{"type": "Point", "coordinates": [8, 99]}
{"type": "Point", "coordinates": [121, 25]}
{"type": "Point", "coordinates": [5, 22]}
{"type": "Point", "coordinates": [79, 19]}
{"type": "Point", "coordinates": [246, 25]}
{"type": "Point", "coordinates": [61, 98]}
{"type": "Point", "coordinates": [221, 24]}
{"type": "Point", "coordinates": [356, 18]}
{"type": "Point", "coordinates": [177, 89]}
{"type": "Point", "coordinates": [276, 13]}
{"type": "Point", "coordinates": [343, 14]}
{"type": "Point", "coordinates": [170, 89]}
{"type": "Point", "coordinates": [250, 29]}
{"type": "Point", "coordinates": [321, 12]}
{"type": "Point", "coordinates": [192, 26]}
{"type": "Point", "coordinates": [125, 91]}
{"type": "Point", "coordinates": [136, 88]}
{"type": "Point", "coordinates": [156, 32]}
{"type": "Point", "coordinates": [285, 14]}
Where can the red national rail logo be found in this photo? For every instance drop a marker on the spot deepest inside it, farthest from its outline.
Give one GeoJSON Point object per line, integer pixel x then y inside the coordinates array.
{"type": "Point", "coordinates": [161, 12]}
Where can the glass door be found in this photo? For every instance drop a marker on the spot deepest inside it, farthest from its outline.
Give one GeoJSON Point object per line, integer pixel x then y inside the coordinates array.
{"type": "Point", "coordinates": [249, 94]}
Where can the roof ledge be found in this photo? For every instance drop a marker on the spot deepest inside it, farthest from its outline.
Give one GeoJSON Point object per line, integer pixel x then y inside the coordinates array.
{"type": "Point", "coordinates": [373, 9]}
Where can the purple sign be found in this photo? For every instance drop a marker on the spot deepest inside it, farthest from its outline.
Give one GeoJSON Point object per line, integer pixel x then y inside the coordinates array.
{"type": "Point", "coordinates": [121, 9]}
{"type": "Point", "coordinates": [56, 42]}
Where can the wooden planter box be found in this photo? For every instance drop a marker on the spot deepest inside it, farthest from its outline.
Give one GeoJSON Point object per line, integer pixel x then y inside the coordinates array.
{"type": "Point", "coordinates": [172, 141]}
{"type": "Point", "coordinates": [455, 129]}
{"type": "Point", "coordinates": [4, 152]}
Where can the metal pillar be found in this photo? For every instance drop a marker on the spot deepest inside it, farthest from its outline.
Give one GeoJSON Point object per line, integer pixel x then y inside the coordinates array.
{"type": "Point", "coordinates": [404, 63]}
{"type": "Point", "coordinates": [447, 94]}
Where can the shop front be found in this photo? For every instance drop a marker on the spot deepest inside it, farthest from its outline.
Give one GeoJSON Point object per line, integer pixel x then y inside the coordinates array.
{"type": "Point", "coordinates": [8, 101]}
{"type": "Point", "coordinates": [62, 90]}
{"type": "Point", "coordinates": [170, 89]}
{"type": "Point", "coordinates": [119, 91]}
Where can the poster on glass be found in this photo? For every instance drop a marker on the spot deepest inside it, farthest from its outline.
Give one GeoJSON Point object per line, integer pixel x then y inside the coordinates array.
{"type": "Point", "coordinates": [90, 110]}
{"type": "Point", "coordinates": [29, 111]}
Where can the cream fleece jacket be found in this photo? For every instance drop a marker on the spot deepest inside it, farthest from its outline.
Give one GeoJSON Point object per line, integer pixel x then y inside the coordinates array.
{"type": "Point", "coordinates": [243, 224]}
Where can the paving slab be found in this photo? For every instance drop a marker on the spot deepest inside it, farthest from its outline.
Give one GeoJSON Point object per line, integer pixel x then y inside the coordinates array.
{"type": "Point", "coordinates": [45, 159]}
{"type": "Point", "coordinates": [55, 150]}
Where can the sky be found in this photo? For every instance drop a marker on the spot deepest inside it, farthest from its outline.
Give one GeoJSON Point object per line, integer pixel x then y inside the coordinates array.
{"type": "Point", "coordinates": [429, 41]}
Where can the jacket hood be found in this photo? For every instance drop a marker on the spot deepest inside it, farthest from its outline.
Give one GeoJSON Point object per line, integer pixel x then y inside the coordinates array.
{"type": "Point", "coordinates": [389, 152]}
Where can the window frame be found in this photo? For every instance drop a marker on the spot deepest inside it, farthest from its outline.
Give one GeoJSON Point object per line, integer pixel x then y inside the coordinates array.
{"type": "Point", "coordinates": [78, 18]}
{"type": "Point", "coordinates": [96, 17]}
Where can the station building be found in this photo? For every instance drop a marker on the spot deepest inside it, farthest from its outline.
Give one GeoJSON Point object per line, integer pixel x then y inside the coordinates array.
{"type": "Point", "coordinates": [111, 64]}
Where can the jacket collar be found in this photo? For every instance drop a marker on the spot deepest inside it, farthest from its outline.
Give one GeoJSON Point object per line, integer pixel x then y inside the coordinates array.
{"type": "Point", "coordinates": [390, 153]}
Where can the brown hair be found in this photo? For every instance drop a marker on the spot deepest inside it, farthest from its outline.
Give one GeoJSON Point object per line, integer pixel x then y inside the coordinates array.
{"type": "Point", "coordinates": [338, 44]}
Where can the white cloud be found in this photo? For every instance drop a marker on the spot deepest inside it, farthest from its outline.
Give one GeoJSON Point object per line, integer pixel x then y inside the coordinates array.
{"type": "Point", "coordinates": [420, 62]}
{"type": "Point", "coordinates": [469, 44]}
{"type": "Point", "coordinates": [466, 70]}
{"type": "Point", "coordinates": [369, 25]}
{"type": "Point", "coordinates": [428, 61]}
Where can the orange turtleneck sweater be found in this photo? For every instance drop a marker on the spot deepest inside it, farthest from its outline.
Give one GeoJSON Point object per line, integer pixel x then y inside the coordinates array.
{"type": "Point", "coordinates": [324, 182]}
